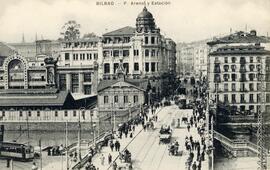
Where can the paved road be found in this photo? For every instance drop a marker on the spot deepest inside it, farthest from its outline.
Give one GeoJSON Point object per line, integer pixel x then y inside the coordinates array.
{"type": "Point", "coordinates": [146, 151]}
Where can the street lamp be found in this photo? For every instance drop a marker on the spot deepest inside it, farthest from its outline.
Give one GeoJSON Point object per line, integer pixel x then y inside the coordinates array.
{"type": "Point", "coordinates": [79, 133]}
{"type": "Point", "coordinates": [129, 110]}
{"type": "Point", "coordinates": [113, 117]}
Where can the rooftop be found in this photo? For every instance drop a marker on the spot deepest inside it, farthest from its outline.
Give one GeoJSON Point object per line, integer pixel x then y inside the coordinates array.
{"type": "Point", "coordinates": [135, 82]}
{"type": "Point", "coordinates": [240, 37]}
{"type": "Point", "coordinates": [121, 32]}
{"type": "Point", "coordinates": [240, 49]}
{"type": "Point", "coordinates": [34, 97]}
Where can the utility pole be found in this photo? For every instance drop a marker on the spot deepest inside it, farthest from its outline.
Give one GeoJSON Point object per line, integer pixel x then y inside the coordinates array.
{"type": "Point", "coordinates": [67, 146]}
{"type": "Point", "coordinates": [262, 155]}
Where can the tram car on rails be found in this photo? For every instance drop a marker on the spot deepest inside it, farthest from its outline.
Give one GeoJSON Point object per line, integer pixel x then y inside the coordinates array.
{"type": "Point", "coordinates": [16, 151]}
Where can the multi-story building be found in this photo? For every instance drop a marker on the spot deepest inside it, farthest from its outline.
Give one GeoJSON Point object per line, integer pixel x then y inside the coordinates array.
{"type": "Point", "coordinates": [192, 58]}
{"type": "Point", "coordinates": [145, 52]}
{"type": "Point", "coordinates": [235, 65]}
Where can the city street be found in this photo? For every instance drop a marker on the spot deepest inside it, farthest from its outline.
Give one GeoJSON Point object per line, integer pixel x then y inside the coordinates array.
{"type": "Point", "coordinates": [146, 151]}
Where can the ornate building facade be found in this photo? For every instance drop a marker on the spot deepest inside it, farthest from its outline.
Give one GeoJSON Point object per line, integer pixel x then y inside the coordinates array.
{"type": "Point", "coordinates": [145, 52]}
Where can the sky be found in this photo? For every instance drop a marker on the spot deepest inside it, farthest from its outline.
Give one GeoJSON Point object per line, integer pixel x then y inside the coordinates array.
{"type": "Point", "coordinates": [181, 20]}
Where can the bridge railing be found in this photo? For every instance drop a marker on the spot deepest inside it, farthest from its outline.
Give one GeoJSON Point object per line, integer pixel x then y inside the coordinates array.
{"type": "Point", "coordinates": [236, 144]}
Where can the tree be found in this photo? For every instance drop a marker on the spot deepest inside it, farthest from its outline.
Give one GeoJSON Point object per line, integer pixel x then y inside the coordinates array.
{"type": "Point", "coordinates": [71, 30]}
{"type": "Point", "coordinates": [89, 35]}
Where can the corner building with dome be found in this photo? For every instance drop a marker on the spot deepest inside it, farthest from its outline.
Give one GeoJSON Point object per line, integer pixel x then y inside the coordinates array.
{"type": "Point", "coordinates": [147, 55]}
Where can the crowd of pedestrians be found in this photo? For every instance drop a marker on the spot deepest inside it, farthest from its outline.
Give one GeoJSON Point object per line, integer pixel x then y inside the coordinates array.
{"type": "Point", "coordinates": [196, 148]}
{"type": "Point", "coordinates": [126, 130]}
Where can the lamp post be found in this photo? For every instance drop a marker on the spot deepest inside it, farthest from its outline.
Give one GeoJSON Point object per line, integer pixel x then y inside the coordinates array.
{"type": "Point", "coordinates": [94, 133]}
{"type": "Point", "coordinates": [79, 134]}
{"type": "Point", "coordinates": [129, 110]}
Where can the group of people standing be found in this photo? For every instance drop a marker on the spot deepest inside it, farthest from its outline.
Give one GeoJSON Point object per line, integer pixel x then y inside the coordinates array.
{"type": "Point", "coordinates": [196, 148]}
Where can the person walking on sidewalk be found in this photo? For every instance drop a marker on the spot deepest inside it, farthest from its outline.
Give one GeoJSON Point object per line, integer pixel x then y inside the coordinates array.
{"type": "Point", "coordinates": [111, 145]}
{"type": "Point", "coordinates": [109, 159]}
{"type": "Point", "coordinates": [102, 159]}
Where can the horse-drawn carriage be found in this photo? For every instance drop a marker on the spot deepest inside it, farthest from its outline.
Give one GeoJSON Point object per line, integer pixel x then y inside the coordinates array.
{"type": "Point", "coordinates": [125, 160]}
{"type": "Point", "coordinates": [165, 134]}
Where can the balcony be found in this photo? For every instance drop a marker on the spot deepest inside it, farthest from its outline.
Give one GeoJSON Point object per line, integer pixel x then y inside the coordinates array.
{"type": "Point", "coordinates": [217, 70]}
{"type": "Point", "coordinates": [243, 79]}
{"type": "Point", "coordinates": [243, 70]}
{"type": "Point", "coordinates": [242, 61]}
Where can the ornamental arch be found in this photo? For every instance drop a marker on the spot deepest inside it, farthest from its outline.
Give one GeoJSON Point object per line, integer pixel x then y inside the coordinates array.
{"type": "Point", "coordinates": [15, 75]}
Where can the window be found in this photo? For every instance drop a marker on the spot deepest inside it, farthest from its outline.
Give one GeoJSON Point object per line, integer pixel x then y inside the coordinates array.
{"type": "Point", "coordinates": [75, 83]}
{"type": "Point", "coordinates": [115, 66]}
{"type": "Point", "coordinates": [87, 89]}
{"type": "Point", "coordinates": [56, 113]}
{"type": "Point", "coordinates": [146, 53]}
{"type": "Point", "coordinates": [116, 53]}
{"type": "Point", "coordinates": [251, 67]}
{"type": "Point", "coordinates": [242, 108]}
{"type": "Point", "coordinates": [242, 98]}
{"type": "Point", "coordinates": [115, 99]}
{"type": "Point", "coordinates": [233, 59]}
{"type": "Point", "coordinates": [226, 98]}
{"type": "Point", "coordinates": [242, 87]}
{"type": "Point", "coordinates": [38, 113]}
{"type": "Point", "coordinates": [125, 53]}
{"type": "Point", "coordinates": [106, 99]}
{"type": "Point", "coordinates": [74, 113]}
{"type": "Point", "coordinates": [21, 113]}
{"type": "Point", "coordinates": [87, 77]}
{"type": "Point", "coordinates": [258, 86]}
{"type": "Point", "coordinates": [125, 99]}
{"type": "Point", "coordinates": [106, 53]}
{"type": "Point", "coordinates": [226, 77]}
{"type": "Point", "coordinates": [251, 99]}
{"type": "Point", "coordinates": [135, 99]}
{"type": "Point", "coordinates": [146, 40]}
{"type": "Point", "coordinates": [147, 67]}
{"type": "Point", "coordinates": [234, 77]}
{"type": "Point", "coordinates": [62, 82]}
{"type": "Point", "coordinates": [152, 40]}
{"type": "Point", "coordinates": [233, 87]}
{"type": "Point", "coordinates": [258, 98]}
{"type": "Point", "coordinates": [251, 87]}
{"type": "Point", "coordinates": [226, 87]}
{"type": "Point", "coordinates": [225, 59]}
{"type": "Point", "coordinates": [258, 59]}
{"type": "Point", "coordinates": [153, 67]}
{"type": "Point", "coordinates": [29, 114]}
{"type": "Point", "coordinates": [136, 66]}
{"type": "Point", "coordinates": [66, 113]}
{"type": "Point", "coordinates": [3, 113]}
{"type": "Point", "coordinates": [267, 98]}
{"type": "Point", "coordinates": [95, 56]}
{"type": "Point", "coordinates": [233, 98]}
{"type": "Point", "coordinates": [251, 76]}
{"type": "Point", "coordinates": [226, 68]}
{"type": "Point", "coordinates": [126, 67]}
{"type": "Point", "coordinates": [66, 56]}
{"type": "Point", "coordinates": [153, 53]}
{"type": "Point", "coordinates": [107, 68]}
{"type": "Point", "coordinates": [233, 67]}
{"type": "Point", "coordinates": [251, 59]}
{"type": "Point", "coordinates": [136, 52]}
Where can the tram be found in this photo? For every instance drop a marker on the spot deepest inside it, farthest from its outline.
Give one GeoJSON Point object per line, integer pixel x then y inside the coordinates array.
{"type": "Point", "coordinates": [16, 151]}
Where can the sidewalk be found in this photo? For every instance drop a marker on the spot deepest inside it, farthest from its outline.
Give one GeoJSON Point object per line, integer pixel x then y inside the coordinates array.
{"type": "Point", "coordinates": [124, 142]}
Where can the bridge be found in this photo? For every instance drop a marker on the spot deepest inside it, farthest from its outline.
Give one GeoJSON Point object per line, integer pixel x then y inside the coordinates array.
{"type": "Point", "coordinates": [239, 147]}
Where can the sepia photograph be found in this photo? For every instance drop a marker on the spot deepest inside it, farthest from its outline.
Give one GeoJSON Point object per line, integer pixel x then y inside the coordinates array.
{"type": "Point", "coordinates": [134, 85]}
